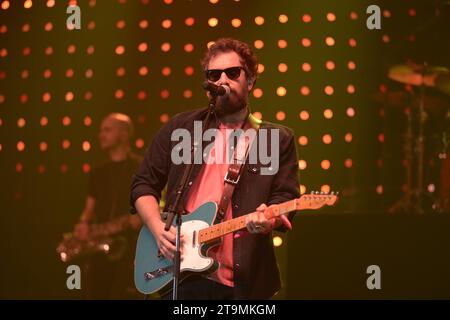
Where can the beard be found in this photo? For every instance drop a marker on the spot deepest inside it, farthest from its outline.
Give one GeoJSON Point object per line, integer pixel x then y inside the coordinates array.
{"type": "Point", "coordinates": [227, 105]}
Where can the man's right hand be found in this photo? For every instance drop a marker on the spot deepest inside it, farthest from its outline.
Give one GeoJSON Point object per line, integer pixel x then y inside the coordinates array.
{"type": "Point", "coordinates": [81, 230]}
{"type": "Point", "coordinates": [166, 240]}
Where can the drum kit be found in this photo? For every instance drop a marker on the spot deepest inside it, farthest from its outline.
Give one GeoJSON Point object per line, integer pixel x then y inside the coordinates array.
{"type": "Point", "coordinates": [421, 104]}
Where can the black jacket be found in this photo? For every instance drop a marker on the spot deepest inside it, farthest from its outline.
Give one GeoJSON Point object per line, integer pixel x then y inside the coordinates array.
{"type": "Point", "coordinates": [256, 274]}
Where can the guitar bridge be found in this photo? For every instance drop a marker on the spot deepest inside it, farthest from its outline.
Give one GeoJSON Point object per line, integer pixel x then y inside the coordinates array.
{"type": "Point", "coordinates": [157, 273]}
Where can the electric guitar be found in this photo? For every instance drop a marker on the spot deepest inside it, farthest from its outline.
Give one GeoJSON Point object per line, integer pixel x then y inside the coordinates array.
{"type": "Point", "coordinates": [102, 238]}
{"type": "Point", "coordinates": [153, 272]}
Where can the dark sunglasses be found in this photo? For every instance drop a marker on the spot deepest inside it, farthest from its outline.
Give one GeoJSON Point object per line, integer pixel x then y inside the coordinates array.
{"type": "Point", "coordinates": [232, 73]}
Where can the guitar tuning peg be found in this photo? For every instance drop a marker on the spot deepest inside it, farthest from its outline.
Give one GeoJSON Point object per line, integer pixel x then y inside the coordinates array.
{"type": "Point", "coordinates": [321, 192]}
{"type": "Point", "coordinates": [332, 193]}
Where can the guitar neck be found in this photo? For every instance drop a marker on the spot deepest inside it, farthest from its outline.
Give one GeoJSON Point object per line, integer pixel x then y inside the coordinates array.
{"type": "Point", "coordinates": [109, 228]}
{"type": "Point", "coordinates": [218, 230]}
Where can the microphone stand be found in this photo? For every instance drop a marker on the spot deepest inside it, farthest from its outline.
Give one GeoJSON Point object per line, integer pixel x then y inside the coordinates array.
{"type": "Point", "coordinates": [177, 209]}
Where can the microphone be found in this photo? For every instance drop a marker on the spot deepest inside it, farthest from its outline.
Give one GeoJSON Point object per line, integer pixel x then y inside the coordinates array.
{"type": "Point", "coordinates": [216, 90]}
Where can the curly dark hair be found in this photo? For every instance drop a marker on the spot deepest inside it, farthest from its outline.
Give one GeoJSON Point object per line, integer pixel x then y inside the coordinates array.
{"type": "Point", "coordinates": [248, 58]}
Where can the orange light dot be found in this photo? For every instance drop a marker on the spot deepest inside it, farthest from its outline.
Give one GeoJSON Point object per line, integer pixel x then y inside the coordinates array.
{"type": "Point", "coordinates": [189, 70]}
{"type": "Point", "coordinates": [166, 71]}
{"type": "Point", "coordinates": [142, 95]}
{"type": "Point", "coordinates": [304, 115]}
{"type": "Point", "coordinates": [2, 98]}
{"type": "Point", "coordinates": [350, 112]}
{"type": "Point", "coordinates": [69, 73]}
{"type": "Point", "coordinates": [258, 115]}
{"type": "Point", "coordinates": [302, 189]}
{"type": "Point", "coordinates": [120, 72]}
{"type": "Point", "coordinates": [331, 17]}
{"type": "Point", "coordinates": [50, 3]}
{"type": "Point", "coordinates": [330, 65]}
{"type": "Point", "coordinates": [86, 146]}
{"type": "Point", "coordinates": [306, 67]}
{"type": "Point", "coordinates": [66, 144]}
{"type": "Point", "coordinates": [352, 42]}
{"type": "Point", "coordinates": [27, 4]}
{"type": "Point", "coordinates": [142, 47]}
{"type": "Point", "coordinates": [348, 163]}
{"type": "Point", "coordinates": [187, 94]}
{"type": "Point", "coordinates": [302, 164]}
{"type": "Point", "coordinates": [5, 5]}
{"type": "Point", "coordinates": [325, 164]}
{"type": "Point", "coordinates": [351, 65]}
{"type": "Point", "coordinates": [236, 23]}
{"type": "Point", "coordinates": [282, 43]}
{"type": "Point", "coordinates": [261, 68]}
{"type": "Point", "coordinates": [120, 24]}
{"type": "Point", "coordinates": [281, 91]}
{"type": "Point", "coordinates": [385, 38]}
{"type": "Point", "coordinates": [329, 90]}
{"type": "Point", "coordinates": [165, 47]}
{"type": "Point", "coordinates": [143, 24]}
{"type": "Point", "coordinates": [89, 73]}
{"type": "Point", "coordinates": [20, 146]}
{"type": "Point", "coordinates": [165, 94]}
{"type": "Point", "coordinates": [303, 140]}
{"type": "Point", "coordinates": [48, 26]}
{"type": "Point", "coordinates": [328, 113]}
{"type": "Point", "coordinates": [19, 167]}
{"type": "Point", "coordinates": [304, 90]}
{"type": "Point", "coordinates": [330, 41]}
{"type": "Point", "coordinates": [71, 49]}
{"type": "Point", "coordinates": [188, 47]}
{"type": "Point", "coordinates": [351, 89]}
{"type": "Point", "coordinates": [386, 13]}
{"type": "Point", "coordinates": [353, 15]}
{"type": "Point", "coordinates": [21, 122]}
{"type": "Point", "coordinates": [348, 137]}
{"type": "Point", "coordinates": [119, 94]}
{"type": "Point", "coordinates": [280, 115]}
{"type": "Point", "coordinates": [213, 22]}
{"type": "Point", "coordinates": [166, 24]}
{"type": "Point", "coordinates": [306, 42]}
{"type": "Point", "coordinates": [49, 50]}
{"type": "Point", "coordinates": [87, 121]}
{"type": "Point", "coordinates": [3, 53]}
{"type": "Point", "coordinates": [47, 73]}
{"type": "Point", "coordinates": [66, 121]}
{"type": "Point", "coordinates": [43, 146]}
{"type": "Point", "coordinates": [139, 143]}
{"type": "Point", "coordinates": [3, 29]}
{"type": "Point", "coordinates": [282, 67]}
{"type": "Point", "coordinates": [164, 118]}
{"type": "Point", "coordinates": [325, 188]}
{"type": "Point", "coordinates": [143, 71]}
{"type": "Point", "coordinates": [86, 167]}
{"type": "Point", "coordinates": [306, 18]}
{"type": "Point", "coordinates": [327, 139]}
{"type": "Point", "coordinates": [379, 189]}
{"type": "Point", "coordinates": [259, 44]}
{"type": "Point", "coordinates": [69, 96]}
{"type": "Point", "coordinates": [26, 27]}
{"type": "Point", "coordinates": [259, 20]}
{"type": "Point", "coordinates": [88, 95]}
{"type": "Point", "coordinates": [120, 50]}
{"type": "Point", "coordinates": [283, 18]}
{"type": "Point", "coordinates": [43, 121]}
{"type": "Point", "coordinates": [46, 97]}
{"type": "Point", "coordinates": [258, 93]}
{"type": "Point", "coordinates": [189, 21]}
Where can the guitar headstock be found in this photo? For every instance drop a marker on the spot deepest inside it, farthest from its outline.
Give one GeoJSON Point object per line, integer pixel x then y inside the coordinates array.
{"type": "Point", "coordinates": [316, 200]}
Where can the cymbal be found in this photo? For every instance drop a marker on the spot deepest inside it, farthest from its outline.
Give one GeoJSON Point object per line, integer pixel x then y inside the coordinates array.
{"type": "Point", "coordinates": [418, 75]}
{"type": "Point", "coordinates": [403, 99]}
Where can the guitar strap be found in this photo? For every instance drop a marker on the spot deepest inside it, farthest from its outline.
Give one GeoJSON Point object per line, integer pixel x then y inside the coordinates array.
{"type": "Point", "coordinates": [235, 169]}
